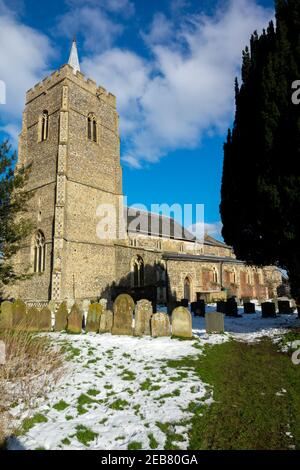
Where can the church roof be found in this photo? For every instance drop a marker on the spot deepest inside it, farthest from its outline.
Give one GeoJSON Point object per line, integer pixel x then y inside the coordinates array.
{"type": "Point", "coordinates": [155, 225]}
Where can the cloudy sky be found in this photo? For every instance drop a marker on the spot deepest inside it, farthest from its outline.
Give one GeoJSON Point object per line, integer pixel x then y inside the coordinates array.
{"type": "Point", "coordinates": [171, 64]}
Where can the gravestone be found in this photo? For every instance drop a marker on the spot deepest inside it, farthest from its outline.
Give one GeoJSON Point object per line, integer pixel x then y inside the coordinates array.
{"type": "Point", "coordinates": [45, 323]}
{"type": "Point", "coordinates": [143, 314]}
{"type": "Point", "coordinates": [284, 307]}
{"type": "Point", "coordinates": [75, 320]}
{"type": "Point", "coordinates": [6, 316]}
{"type": "Point", "coordinates": [106, 321]}
{"type": "Point", "coordinates": [19, 314]}
{"type": "Point", "coordinates": [249, 307]}
{"type": "Point", "coordinates": [160, 325]}
{"type": "Point", "coordinates": [181, 323]}
{"type": "Point", "coordinates": [103, 303]}
{"type": "Point", "coordinates": [184, 303]}
{"type": "Point", "coordinates": [231, 308]}
{"type": "Point", "coordinates": [268, 310]}
{"type": "Point", "coordinates": [32, 319]}
{"type": "Point", "coordinates": [198, 308]}
{"type": "Point", "coordinates": [93, 318]}
{"type": "Point", "coordinates": [214, 322]}
{"type": "Point", "coordinates": [221, 306]}
{"type": "Point", "coordinates": [61, 317]}
{"type": "Point", "coordinates": [123, 314]}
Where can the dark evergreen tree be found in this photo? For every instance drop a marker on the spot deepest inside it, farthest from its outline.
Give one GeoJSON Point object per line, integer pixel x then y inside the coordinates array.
{"type": "Point", "coordinates": [14, 223]}
{"type": "Point", "coordinates": [260, 196]}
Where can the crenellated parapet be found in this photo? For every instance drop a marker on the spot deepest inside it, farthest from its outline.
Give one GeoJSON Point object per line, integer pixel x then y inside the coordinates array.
{"type": "Point", "coordinates": [67, 72]}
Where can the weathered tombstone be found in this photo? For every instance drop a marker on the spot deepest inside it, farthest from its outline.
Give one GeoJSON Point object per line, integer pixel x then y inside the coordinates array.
{"type": "Point", "coordinates": [106, 321]}
{"type": "Point", "coordinates": [45, 323]}
{"type": "Point", "coordinates": [184, 303]}
{"type": "Point", "coordinates": [19, 314]}
{"type": "Point", "coordinates": [103, 303]}
{"type": "Point", "coordinates": [61, 317]}
{"type": "Point", "coordinates": [6, 316]}
{"type": "Point", "coordinates": [284, 307]}
{"type": "Point", "coordinates": [181, 323]}
{"type": "Point", "coordinates": [75, 320]}
{"type": "Point", "coordinates": [52, 308]}
{"type": "Point", "coordinates": [214, 322]}
{"type": "Point", "coordinates": [249, 307]}
{"type": "Point", "coordinates": [231, 308]}
{"type": "Point", "coordinates": [268, 310]}
{"type": "Point", "coordinates": [93, 318]}
{"type": "Point", "coordinates": [32, 319]}
{"type": "Point", "coordinates": [123, 311]}
{"type": "Point", "coordinates": [221, 306]}
{"type": "Point", "coordinates": [198, 308]}
{"type": "Point", "coordinates": [160, 325]}
{"type": "Point", "coordinates": [143, 314]}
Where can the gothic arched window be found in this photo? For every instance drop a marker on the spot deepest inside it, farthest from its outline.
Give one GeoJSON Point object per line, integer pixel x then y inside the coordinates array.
{"type": "Point", "coordinates": [92, 128]}
{"type": "Point", "coordinates": [39, 262]}
{"type": "Point", "coordinates": [44, 126]}
{"type": "Point", "coordinates": [215, 275]}
{"type": "Point", "coordinates": [138, 272]}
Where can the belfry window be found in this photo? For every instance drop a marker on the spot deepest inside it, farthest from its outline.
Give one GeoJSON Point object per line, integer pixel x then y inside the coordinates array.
{"type": "Point", "coordinates": [92, 128]}
{"type": "Point", "coordinates": [39, 262]}
{"type": "Point", "coordinates": [44, 128]}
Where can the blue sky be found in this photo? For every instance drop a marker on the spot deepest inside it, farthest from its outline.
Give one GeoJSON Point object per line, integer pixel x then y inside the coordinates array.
{"type": "Point", "coordinates": [171, 64]}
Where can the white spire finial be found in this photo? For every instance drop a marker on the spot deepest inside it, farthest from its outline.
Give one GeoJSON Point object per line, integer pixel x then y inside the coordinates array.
{"type": "Point", "coordinates": [73, 59]}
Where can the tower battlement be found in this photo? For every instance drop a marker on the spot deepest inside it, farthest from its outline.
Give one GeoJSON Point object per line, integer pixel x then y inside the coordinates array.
{"type": "Point", "coordinates": [66, 72]}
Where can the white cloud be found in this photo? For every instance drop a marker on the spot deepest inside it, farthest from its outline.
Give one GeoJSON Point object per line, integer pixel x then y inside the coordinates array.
{"type": "Point", "coordinates": [24, 60]}
{"type": "Point", "coordinates": [185, 90]}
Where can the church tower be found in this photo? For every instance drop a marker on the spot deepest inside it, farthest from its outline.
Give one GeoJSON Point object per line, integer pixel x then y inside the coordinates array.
{"type": "Point", "coordinates": [70, 136]}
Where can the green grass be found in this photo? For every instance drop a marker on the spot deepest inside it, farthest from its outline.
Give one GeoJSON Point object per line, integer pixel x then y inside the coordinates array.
{"type": "Point", "coordinates": [61, 405]}
{"type": "Point", "coordinates": [66, 441]}
{"type": "Point", "coordinates": [29, 423]}
{"type": "Point", "coordinates": [246, 412]}
{"type": "Point", "coordinates": [152, 441]}
{"type": "Point", "coordinates": [119, 404]}
{"type": "Point", "coordinates": [85, 435]}
{"type": "Point", "coordinates": [128, 375]}
{"type": "Point", "coordinates": [134, 445]}
{"type": "Point", "coordinates": [93, 392]}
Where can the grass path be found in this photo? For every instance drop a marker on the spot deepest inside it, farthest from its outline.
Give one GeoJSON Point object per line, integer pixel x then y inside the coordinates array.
{"type": "Point", "coordinates": [256, 398]}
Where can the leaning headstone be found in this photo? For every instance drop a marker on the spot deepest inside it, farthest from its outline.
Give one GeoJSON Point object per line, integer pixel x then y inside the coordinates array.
{"type": "Point", "coordinates": [143, 314]}
{"type": "Point", "coordinates": [61, 317]}
{"type": "Point", "coordinates": [160, 325]}
{"type": "Point", "coordinates": [231, 308]}
{"type": "Point", "coordinates": [106, 321]}
{"type": "Point", "coordinates": [221, 306]}
{"type": "Point", "coordinates": [123, 314]}
{"type": "Point", "coordinates": [45, 323]}
{"type": "Point", "coordinates": [32, 319]}
{"type": "Point", "coordinates": [249, 307]}
{"type": "Point", "coordinates": [214, 322]}
{"type": "Point", "coordinates": [75, 320]}
{"type": "Point", "coordinates": [93, 318]}
{"type": "Point", "coordinates": [181, 323]}
{"type": "Point", "coordinates": [268, 310]}
{"type": "Point", "coordinates": [19, 314]}
{"type": "Point", "coordinates": [6, 316]}
{"type": "Point", "coordinates": [284, 307]}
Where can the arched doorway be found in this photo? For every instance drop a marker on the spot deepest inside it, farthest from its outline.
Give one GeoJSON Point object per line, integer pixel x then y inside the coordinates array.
{"type": "Point", "coordinates": [187, 289]}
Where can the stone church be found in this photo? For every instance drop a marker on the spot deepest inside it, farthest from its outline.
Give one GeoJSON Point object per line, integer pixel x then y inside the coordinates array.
{"type": "Point", "coordinates": [70, 136]}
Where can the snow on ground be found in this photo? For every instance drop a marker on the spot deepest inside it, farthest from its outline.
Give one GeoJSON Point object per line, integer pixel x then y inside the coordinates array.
{"type": "Point", "coordinates": [119, 389]}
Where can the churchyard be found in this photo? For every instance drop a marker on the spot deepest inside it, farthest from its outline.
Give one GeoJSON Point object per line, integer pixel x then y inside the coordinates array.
{"type": "Point", "coordinates": [128, 378]}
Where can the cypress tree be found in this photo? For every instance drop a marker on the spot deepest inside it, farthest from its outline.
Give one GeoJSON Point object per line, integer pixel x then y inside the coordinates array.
{"type": "Point", "coordinates": [260, 195]}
